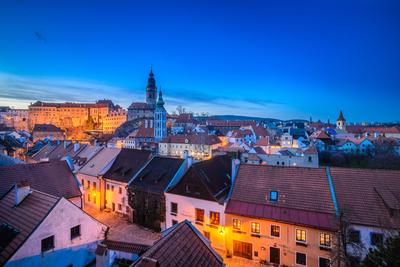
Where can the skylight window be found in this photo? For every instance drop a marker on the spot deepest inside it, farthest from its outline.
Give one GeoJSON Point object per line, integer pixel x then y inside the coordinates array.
{"type": "Point", "coordinates": [7, 233]}
{"type": "Point", "coordinates": [273, 196]}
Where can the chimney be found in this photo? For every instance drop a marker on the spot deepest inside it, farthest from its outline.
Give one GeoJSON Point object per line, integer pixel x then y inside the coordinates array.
{"type": "Point", "coordinates": [76, 146]}
{"type": "Point", "coordinates": [235, 166]}
{"type": "Point", "coordinates": [102, 256]}
{"type": "Point", "coordinates": [149, 262]}
{"type": "Point", "coordinates": [22, 189]}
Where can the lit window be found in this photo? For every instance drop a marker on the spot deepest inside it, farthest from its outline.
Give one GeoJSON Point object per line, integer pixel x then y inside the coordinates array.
{"type": "Point", "coordinates": [200, 215]}
{"type": "Point", "coordinates": [325, 240]}
{"type": "Point", "coordinates": [275, 230]}
{"type": "Point", "coordinates": [214, 218]}
{"type": "Point", "coordinates": [273, 196]}
{"type": "Point", "coordinates": [301, 236]}
{"type": "Point", "coordinates": [255, 228]}
{"type": "Point", "coordinates": [237, 224]}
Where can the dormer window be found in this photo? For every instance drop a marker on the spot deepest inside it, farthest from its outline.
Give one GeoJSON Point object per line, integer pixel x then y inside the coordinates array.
{"type": "Point", "coordinates": [273, 196]}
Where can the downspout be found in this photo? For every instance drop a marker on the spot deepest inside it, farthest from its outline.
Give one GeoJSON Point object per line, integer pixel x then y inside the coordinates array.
{"type": "Point", "coordinates": [332, 189]}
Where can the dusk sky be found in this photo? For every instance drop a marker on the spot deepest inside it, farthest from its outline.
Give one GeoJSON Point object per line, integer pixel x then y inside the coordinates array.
{"type": "Point", "coordinates": [279, 59]}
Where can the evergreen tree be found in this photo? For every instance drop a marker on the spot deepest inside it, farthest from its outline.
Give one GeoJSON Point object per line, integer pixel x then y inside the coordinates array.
{"type": "Point", "coordinates": [387, 254]}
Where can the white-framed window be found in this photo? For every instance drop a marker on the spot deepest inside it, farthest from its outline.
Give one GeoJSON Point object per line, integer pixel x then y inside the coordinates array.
{"type": "Point", "coordinates": [301, 259]}
{"type": "Point", "coordinates": [301, 236]}
{"type": "Point", "coordinates": [325, 240]}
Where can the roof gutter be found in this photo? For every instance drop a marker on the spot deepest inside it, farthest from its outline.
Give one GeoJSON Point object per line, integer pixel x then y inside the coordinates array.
{"type": "Point", "coordinates": [332, 189]}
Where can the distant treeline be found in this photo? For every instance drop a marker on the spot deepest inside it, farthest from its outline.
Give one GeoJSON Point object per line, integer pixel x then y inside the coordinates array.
{"type": "Point", "coordinates": [340, 159]}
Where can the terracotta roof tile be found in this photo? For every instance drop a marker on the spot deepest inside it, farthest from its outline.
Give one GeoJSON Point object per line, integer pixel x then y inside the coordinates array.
{"type": "Point", "coordinates": [182, 245]}
{"type": "Point", "coordinates": [201, 139]}
{"type": "Point", "coordinates": [54, 178]}
{"type": "Point", "coordinates": [359, 198]}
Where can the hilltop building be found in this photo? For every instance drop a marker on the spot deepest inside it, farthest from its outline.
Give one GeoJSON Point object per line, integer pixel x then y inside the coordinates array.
{"type": "Point", "coordinates": [139, 110]}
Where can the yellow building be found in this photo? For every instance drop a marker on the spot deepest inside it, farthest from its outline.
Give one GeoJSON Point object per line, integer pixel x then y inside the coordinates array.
{"type": "Point", "coordinates": [67, 115]}
{"type": "Point", "coordinates": [281, 216]}
{"type": "Point", "coordinates": [113, 120]}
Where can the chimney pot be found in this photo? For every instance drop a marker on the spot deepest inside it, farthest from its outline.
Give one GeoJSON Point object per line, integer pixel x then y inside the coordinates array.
{"type": "Point", "coordinates": [22, 189]}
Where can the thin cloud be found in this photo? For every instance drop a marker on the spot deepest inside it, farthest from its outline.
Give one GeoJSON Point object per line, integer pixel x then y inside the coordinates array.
{"type": "Point", "coordinates": [19, 91]}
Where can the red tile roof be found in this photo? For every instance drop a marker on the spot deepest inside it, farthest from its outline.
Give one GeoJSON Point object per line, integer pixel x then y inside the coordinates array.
{"type": "Point", "coordinates": [301, 191]}
{"type": "Point", "coordinates": [54, 178]}
{"type": "Point", "coordinates": [365, 195]}
{"type": "Point", "coordinates": [24, 218]}
{"type": "Point", "coordinates": [182, 245]}
{"type": "Point", "coordinates": [263, 141]}
{"type": "Point", "coordinates": [201, 139]}
{"type": "Point", "coordinates": [139, 105]}
{"type": "Point", "coordinates": [125, 246]}
{"type": "Point", "coordinates": [69, 105]}
{"type": "Point", "coordinates": [229, 123]}
{"type": "Point", "coordinates": [260, 131]}
{"type": "Point", "coordinates": [127, 164]}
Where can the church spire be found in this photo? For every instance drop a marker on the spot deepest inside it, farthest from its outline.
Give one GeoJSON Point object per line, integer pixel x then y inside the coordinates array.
{"type": "Point", "coordinates": [160, 101]}
{"type": "Point", "coordinates": [151, 89]}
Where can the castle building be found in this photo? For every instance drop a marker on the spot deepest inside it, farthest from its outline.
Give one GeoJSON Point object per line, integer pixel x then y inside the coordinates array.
{"type": "Point", "coordinates": [138, 110]}
{"type": "Point", "coordinates": [68, 115]}
{"type": "Point", "coordinates": [341, 122]}
{"type": "Point", "coordinates": [160, 120]}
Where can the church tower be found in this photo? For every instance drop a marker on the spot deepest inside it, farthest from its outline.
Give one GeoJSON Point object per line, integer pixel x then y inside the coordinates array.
{"type": "Point", "coordinates": [151, 90]}
{"type": "Point", "coordinates": [160, 120]}
{"type": "Point", "coordinates": [341, 122]}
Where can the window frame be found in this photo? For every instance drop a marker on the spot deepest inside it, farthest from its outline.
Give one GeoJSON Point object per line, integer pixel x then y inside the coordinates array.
{"type": "Point", "coordinates": [330, 240]}
{"type": "Point", "coordinates": [236, 222]}
{"type": "Point", "coordinates": [196, 210]}
{"type": "Point", "coordinates": [319, 264]}
{"type": "Point", "coordinates": [371, 234]}
{"type": "Point", "coordinates": [259, 228]}
{"type": "Point", "coordinates": [279, 227]}
{"type": "Point", "coordinates": [43, 250]}
{"type": "Point", "coordinates": [75, 235]}
{"type": "Point", "coordinates": [300, 241]}
{"type": "Point", "coordinates": [212, 222]}
{"type": "Point", "coordinates": [295, 258]}
{"type": "Point", "coordinates": [172, 210]}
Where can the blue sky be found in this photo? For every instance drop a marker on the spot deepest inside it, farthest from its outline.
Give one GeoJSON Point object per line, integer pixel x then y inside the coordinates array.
{"type": "Point", "coordinates": [281, 59]}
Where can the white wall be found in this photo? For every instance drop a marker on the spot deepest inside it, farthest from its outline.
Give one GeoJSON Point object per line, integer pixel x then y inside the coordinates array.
{"type": "Point", "coordinates": [365, 238]}
{"type": "Point", "coordinates": [61, 219]}
{"type": "Point", "coordinates": [186, 211]}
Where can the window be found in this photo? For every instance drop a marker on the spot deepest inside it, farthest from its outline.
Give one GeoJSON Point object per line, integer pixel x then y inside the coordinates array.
{"type": "Point", "coordinates": [325, 240]}
{"type": "Point", "coordinates": [94, 185]}
{"type": "Point", "coordinates": [273, 196]}
{"type": "Point", "coordinates": [112, 188]}
{"type": "Point", "coordinates": [376, 239]}
{"type": "Point", "coordinates": [119, 207]}
{"type": "Point", "coordinates": [127, 209]}
{"type": "Point", "coordinates": [48, 243]}
{"type": "Point", "coordinates": [174, 208]}
{"type": "Point", "coordinates": [309, 158]}
{"type": "Point", "coordinates": [200, 215]}
{"type": "Point", "coordinates": [354, 236]}
{"type": "Point", "coordinates": [75, 231]}
{"type": "Point", "coordinates": [301, 236]}
{"type": "Point", "coordinates": [214, 218]}
{"type": "Point", "coordinates": [301, 258]}
{"type": "Point", "coordinates": [120, 190]}
{"type": "Point", "coordinates": [108, 187]}
{"type": "Point", "coordinates": [275, 230]}
{"type": "Point", "coordinates": [237, 224]}
{"type": "Point", "coordinates": [174, 222]}
{"type": "Point", "coordinates": [83, 183]}
{"type": "Point", "coordinates": [324, 262]}
{"type": "Point", "coordinates": [255, 228]}
{"type": "Point", "coordinates": [88, 197]}
{"type": "Point", "coordinates": [207, 234]}
{"type": "Point", "coordinates": [88, 184]}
